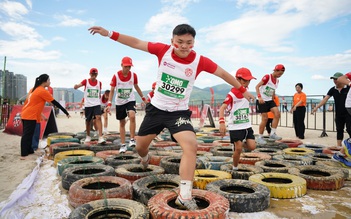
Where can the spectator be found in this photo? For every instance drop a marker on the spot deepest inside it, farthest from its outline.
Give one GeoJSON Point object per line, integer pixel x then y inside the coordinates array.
{"type": "Point", "coordinates": [299, 111]}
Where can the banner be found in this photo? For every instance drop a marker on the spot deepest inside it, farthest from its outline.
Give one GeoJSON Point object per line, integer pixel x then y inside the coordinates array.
{"type": "Point", "coordinates": [14, 124]}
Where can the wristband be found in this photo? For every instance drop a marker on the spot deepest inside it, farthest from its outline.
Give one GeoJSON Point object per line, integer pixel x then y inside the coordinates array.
{"type": "Point", "coordinates": [258, 95]}
{"type": "Point", "coordinates": [242, 89]}
{"type": "Point", "coordinates": [109, 104]}
{"type": "Point", "coordinates": [221, 122]}
{"type": "Point", "coordinates": [143, 98]}
{"type": "Point", "coordinates": [114, 36]}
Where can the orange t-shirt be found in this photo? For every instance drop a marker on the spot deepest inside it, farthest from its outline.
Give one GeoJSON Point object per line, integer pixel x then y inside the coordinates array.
{"type": "Point", "coordinates": [34, 104]}
{"type": "Point", "coordinates": [299, 96]}
{"type": "Point", "coordinates": [277, 102]}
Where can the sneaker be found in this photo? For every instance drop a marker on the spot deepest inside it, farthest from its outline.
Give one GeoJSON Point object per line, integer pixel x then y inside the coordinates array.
{"type": "Point", "coordinates": [123, 149]}
{"type": "Point", "coordinates": [132, 143]}
{"type": "Point", "coordinates": [145, 163]}
{"type": "Point", "coordinates": [341, 159]}
{"type": "Point", "coordinates": [275, 137]}
{"type": "Point", "coordinates": [187, 204]}
{"type": "Point", "coordinates": [261, 141]}
{"type": "Point", "coordinates": [87, 139]}
{"type": "Point", "coordinates": [101, 140]}
{"type": "Point", "coordinates": [347, 146]}
{"type": "Point", "coordinates": [235, 168]}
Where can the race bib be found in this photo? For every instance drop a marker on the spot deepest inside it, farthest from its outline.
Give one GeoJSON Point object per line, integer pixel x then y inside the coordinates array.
{"type": "Point", "coordinates": [241, 116]}
{"type": "Point", "coordinates": [92, 93]}
{"type": "Point", "coordinates": [124, 93]}
{"type": "Point", "coordinates": [269, 91]}
{"type": "Point", "coordinates": [172, 86]}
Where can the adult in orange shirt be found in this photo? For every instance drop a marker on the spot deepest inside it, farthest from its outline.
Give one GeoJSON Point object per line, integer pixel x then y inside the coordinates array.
{"type": "Point", "coordinates": [299, 111]}
{"type": "Point", "coordinates": [31, 112]}
{"type": "Point", "coordinates": [271, 115]}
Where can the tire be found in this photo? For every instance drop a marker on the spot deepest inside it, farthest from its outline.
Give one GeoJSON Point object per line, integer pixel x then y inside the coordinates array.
{"type": "Point", "coordinates": [200, 154]}
{"type": "Point", "coordinates": [61, 144]}
{"type": "Point", "coordinates": [60, 138]}
{"type": "Point", "coordinates": [77, 161]}
{"type": "Point", "coordinates": [292, 143]}
{"type": "Point", "coordinates": [162, 144]}
{"type": "Point", "coordinates": [243, 195]}
{"type": "Point", "coordinates": [321, 157]}
{"type": "Point", "coordinates": [270, 151]}
{"type": "Point", "coordinates": [205, 146]}
{"type": "Point", "coordinates": [146, 187]}
{"type": "Point", "coordinates": [331, 150]}
{"type": "Point", "coordinates": [215, 162]}
{"type": "Point", "coordinates": [244, 171]}
{"type": "Point", "coordinates": [298, 151]}
{"type": "Point", "coordinates": [133, 172]}
{"type": "Point", "coordinates": [111, 208]}
{"type": "Point", "coordinates": [317, 148]}
{"type": "Point", "coordinates": [222, 151]}
{"type": "Point", "coordinates": [252, 157]}
{"type": "Point", "coordinates": [61, 133]}
{"type": "Point", "coordinates": [156, 156]}
{"type": "Point", "coordinates": [119, 159]}
{"type": "Point", "coordinates": [72, 153]}
{"type": "Point", "coordinates": [277, 145]}
{"type": "Point", "coordinates": [337, 165]}
{"type": "Point", "coordinates": [319, 178]}
{"type": "Point", "coordinates": [96, 188]}
{"type": "Point", "coordinates": [107, 153]}
{"type": "Point", "coordinates": [203, 177]}
{"type": "Point", "coordinates": [276, 166]}
{"type": "Point", "coordinates": [212, 205]}
{"type": "Point", "coordinates": [208, 139]}
{"type": "Point", "coordinates": [72, 174]}
{"type": "Point", "coordinates": [224, 143]}
{"type": "Point", "coordinates": [295, 159]}
{"type": "Point", "coordinates": [171, 164]}
{"type": "Point", "coordinates": [282, 185]}
{"type": "Point", "coordinates": [68, 148]}
{"type": "Point", "coordinates": [108, 146]}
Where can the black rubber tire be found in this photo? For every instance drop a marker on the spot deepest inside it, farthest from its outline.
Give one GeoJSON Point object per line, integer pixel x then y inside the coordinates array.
{"type": "Point", "coordinates": [104, 147]}
{"type": "Point", "coordinates": [61, 133]}
{"type": "Point", "coordinates": [317, 148]}
{"type": "Point", "coordinates": [215, 162]}
{"type": "Point", "coordinates": [53, 141]}
{"type": "Point", "coordinates": [243, 195]}
{"type": "Point", "coordinates": [337, 165]}
{"type": "Point", "coordinates": [224, 151]}
{"type": "Point", "coordinates": [211, 205]}
{"type": "Point", "coordinates": [72, 174]}
{"type": "Point", "coordinates": [295, 159]}
{"type": "Point", "coordinates": [276, 166]}
{"type": "Point", "coordinates": [244, 171]}
{"type": "Point", "coordinates": [119, 159]}
{"type": "Point", "coordinates": [320, 178]}
{"type": "Point", "coordinates": [321, 157]}
{"type": "Point", "coordinates": [270, 151]}
{"type": "Point", "coordinates": [277, 145]}
{"type": "Point", "coordinates": [68, 147]}
{"type": "Point", "coordinates": [120, 208]}
{"type": "Point", "coordinates": [171, 164]}
{"type": "Point", "coordinates": [77, 161]}
{"type": "Point", "coordinates": [102, 187]}
{"type": "Point", "coordinates": [146, 187]}
{"type": "Point", "coordinates": [133, 172]}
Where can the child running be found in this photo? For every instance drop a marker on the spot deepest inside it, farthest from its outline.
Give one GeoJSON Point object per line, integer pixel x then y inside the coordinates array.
{"type": "Point", "coordinates": [239, 123]}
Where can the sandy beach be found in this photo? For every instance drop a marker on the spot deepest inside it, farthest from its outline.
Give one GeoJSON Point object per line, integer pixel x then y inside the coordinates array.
{"type": "Point", "coordinates": [316, 204]}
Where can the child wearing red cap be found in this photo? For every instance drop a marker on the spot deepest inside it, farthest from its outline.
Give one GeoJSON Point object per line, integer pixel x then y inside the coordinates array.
{"type": "Point", "coordinates": [124, 82]}
{"type": "Point", "coordinates": [265, 90]}
{"type": "Point", "coordinates": [179, 66]}
{"type": "Point", "coordinates": [92, 104]}
{"type": "Point", "coordinates": [239, 124]}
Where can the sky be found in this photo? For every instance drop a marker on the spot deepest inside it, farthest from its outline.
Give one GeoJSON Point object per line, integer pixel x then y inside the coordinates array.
{"type": "Point", "coordinates": [310, 37]}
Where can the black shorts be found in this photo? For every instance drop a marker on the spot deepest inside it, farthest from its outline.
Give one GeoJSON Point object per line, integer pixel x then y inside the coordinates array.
{"type": "Point", "coordinates": [156, 120]}
{"type": "Point", "coordinates": [240, 135]}
{"type": "Point", "coordinates": [91, 112]}
{"type": "Point", "coordinates": [265, 107]}
{"type": "Point", "coordinates": [121, 110]}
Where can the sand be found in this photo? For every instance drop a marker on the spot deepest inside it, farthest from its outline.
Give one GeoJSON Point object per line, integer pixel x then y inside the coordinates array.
{"type": "Point", "coordinates": [316, 204]}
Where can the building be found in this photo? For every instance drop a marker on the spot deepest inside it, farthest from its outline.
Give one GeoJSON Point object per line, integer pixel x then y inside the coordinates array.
{"type": "Point", "coordinates": [12, 86]}
{"type": "Point", "coordinates": [63, 94]}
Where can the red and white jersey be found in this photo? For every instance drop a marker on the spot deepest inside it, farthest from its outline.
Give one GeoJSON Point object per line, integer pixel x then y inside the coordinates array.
{"type": "Point", "coordinates": [268, 88]}
{"type": "Point", "coordinates": [175, 82]}
{"type": "Point", "coordinates": [104, 101]}
{"type": "Point", "coordinates": [124, 90]}
{"type": "Point", "coordinates": [239, 107]}
{"type": "Point", "coordinates": [92, 94]}
{"type": "Point", "coordinates": [348, 97]}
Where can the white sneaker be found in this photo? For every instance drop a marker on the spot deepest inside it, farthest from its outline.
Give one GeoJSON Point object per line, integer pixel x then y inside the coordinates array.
{"type": "Point", "coordinates": [123, 149]}
{"type": "Point", "coordinates": [260, 141]}
{"type": "Point", "coordinates": [275, 137]}
{"type": "Point", "coordinates": [87, 139]}
{"type": "Point", "coordinates": [132, 143]}
{"type": "Point", "coordinates": [101, 140]}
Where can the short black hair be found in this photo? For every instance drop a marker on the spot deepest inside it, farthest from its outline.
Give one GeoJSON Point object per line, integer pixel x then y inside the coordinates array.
{"type": "Point", "coordinates": [300, 85]}
{"type": "Point", "coordinates": [182, 29]}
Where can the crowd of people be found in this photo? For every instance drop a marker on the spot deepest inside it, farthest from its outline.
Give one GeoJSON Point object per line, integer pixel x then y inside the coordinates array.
{"type": "Point", "coordinates": [167, 104]}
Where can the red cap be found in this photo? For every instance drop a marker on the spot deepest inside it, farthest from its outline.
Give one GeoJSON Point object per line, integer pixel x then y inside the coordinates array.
{"type": "Point", "coordinates": [279, 67]}
{"type": "Point", "coordinates": [93, 70]}
{"type": "Point", "coordinates": [126, 61]}
{"type": "Point", "coordinates": [153, 85]}
{"type": "Point", "coordinates": [244, 73]}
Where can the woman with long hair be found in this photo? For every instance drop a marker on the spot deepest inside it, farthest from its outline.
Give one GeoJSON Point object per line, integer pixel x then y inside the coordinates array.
{"type": "Point", "coordinates": [31, 112]}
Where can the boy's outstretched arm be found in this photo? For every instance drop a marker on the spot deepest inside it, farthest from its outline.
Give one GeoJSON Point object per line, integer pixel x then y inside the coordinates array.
{"type": "Point", "coordinates": [220, 72]}
{"type": "Point", "coordinates": [121, 38]}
